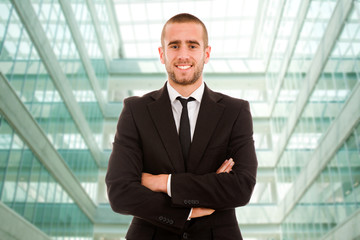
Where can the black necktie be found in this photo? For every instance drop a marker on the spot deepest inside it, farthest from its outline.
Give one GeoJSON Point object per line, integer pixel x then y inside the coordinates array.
{"type": "Point", "coordinates": [184, 131]}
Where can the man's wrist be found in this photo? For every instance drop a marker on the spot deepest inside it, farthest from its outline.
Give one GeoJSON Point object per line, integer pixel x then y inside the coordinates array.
{"type": "Point", "coordinates": [163, 182]}
{"type": "Point", "coordinates": [156, 183]}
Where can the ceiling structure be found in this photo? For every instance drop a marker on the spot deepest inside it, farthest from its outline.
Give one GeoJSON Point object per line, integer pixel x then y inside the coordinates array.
{"type": "Point", "coordinates": [262, 51]}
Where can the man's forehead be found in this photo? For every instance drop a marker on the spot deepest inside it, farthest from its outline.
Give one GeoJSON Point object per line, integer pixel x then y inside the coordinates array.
{"type": "Point", "coordinates": [186, 25]}
{"type": "Point", "coordinates": [176, 28]}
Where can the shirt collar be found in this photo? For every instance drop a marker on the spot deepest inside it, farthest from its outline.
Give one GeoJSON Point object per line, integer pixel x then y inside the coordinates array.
{"type": "Point", "coordinates": [197, 94]}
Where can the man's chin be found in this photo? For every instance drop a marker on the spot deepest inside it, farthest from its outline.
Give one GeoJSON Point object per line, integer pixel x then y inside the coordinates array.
{"type": "Point", "coordinates": [184, 81]}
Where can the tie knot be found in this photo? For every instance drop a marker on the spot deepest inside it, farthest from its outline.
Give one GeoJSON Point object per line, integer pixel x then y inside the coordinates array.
{"type": "Point", "coordinates": [184, 101]}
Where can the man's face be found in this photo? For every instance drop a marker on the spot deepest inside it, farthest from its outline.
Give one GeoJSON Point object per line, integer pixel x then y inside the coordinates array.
{"type": "Point", "coordinates": [183, 52]}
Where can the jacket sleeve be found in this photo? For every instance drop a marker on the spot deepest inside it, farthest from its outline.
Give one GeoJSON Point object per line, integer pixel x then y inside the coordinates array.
{"type": "Point", "coordinates": [123, 179]}
{"type": "Point", "coordinates": [225, 190]}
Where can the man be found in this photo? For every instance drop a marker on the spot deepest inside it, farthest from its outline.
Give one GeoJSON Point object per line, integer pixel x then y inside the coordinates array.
{"type": "Point", "coordinates": [172, 191]}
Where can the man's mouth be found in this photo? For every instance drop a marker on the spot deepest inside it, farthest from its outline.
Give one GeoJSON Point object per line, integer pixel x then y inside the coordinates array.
{"type": "Point", "coordinates": [184, 67]}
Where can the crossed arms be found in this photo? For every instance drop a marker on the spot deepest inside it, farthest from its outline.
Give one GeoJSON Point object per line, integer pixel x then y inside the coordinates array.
{"type": "Point", "coordinates": [158, 183]}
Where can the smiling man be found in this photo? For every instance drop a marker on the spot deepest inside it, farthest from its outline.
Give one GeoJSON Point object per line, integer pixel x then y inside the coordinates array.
{"type": "Point", "coordinates": [184, 56]}
{"type": "Point", "coordinates": [183, 156]}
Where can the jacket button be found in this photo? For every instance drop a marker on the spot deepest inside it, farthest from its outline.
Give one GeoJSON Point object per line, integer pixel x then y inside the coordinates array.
{"type": "Point", "coordinates": [185, 235]}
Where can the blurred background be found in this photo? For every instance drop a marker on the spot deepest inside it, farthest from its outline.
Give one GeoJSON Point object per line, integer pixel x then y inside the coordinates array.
{"type": "Point", "coordinates": [67, 65]}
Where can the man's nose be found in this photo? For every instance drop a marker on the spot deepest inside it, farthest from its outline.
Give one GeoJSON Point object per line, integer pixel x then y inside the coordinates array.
{"type": "Point", "coordinates": [183, 54]}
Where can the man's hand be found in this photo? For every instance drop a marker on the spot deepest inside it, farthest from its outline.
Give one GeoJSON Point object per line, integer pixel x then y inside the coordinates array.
{"type": "Point", "coordinates": [201, 212]}
{"type": "Point", "coordinates": [226, 167]}
{"type": "Point", "coordinates": [156, 183]}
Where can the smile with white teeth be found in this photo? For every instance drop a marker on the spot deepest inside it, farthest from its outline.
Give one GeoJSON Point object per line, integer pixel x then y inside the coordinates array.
{"type": "Point", "coordinates": [184, 67]}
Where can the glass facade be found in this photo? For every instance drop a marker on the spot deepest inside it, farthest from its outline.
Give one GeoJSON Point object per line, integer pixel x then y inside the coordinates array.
{"type": "Point", "coordinates": [28, 188]}
{"type": "Point", "coordinates": [332, 198]}
{"type": "Point", "coordinates": [297, 62]}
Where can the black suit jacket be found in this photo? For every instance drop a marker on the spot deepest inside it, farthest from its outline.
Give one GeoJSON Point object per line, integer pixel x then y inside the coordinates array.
{"type": "Point", "coordinates": [146, 140]}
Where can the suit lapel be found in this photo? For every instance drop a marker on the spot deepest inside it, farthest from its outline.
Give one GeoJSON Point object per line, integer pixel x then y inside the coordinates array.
{"type": "Point", "coordinates": [161, 113]}
{"type": "Point", "coordinates": [209, 115]}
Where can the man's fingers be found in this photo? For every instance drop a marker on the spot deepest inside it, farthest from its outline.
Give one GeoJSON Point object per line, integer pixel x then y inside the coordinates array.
{"type": "Point", "coordinates": [226, 167]}
{"type": "Point", "coordinates": [222, 167]}
{"type": "Point", "coordinates": [201, 212]}
{"type": "Point", "coordinates": [229, 166]}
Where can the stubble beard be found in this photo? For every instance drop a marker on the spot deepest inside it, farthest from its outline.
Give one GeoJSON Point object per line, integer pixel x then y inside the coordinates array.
{"type": "Point", "coordinates": [186, 81]}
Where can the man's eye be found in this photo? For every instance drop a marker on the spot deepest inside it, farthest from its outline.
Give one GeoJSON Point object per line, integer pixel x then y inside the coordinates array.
{"type": "Point", "coordinates": [192, 46]}
{"type": "Point", "coordinates": [174, 47]}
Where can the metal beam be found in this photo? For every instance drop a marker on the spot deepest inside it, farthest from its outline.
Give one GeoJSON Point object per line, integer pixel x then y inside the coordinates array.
{"type": "Point", "coordinates": [279, 15]}
{"type": "Point", "coordinates": [15, 227]}
{"type": "Point", "coordinates": [259, 26]}
{"type": "Point", "coordinates": [224, 81]}
{"type": "Point", "coordinates": [84, 57]}
{"type": "Point", "coordinates": [18, 116]}
{"type": "Point", "coordinates": [98, 31]}
{"type": "Point", "coordinates": [258, 214]}
{"type": "Point", "coordinates": [114, 25]}
{"type": "Point", "coordinates": [336, 23]}
{"type": "Point", "coordinates": [348, 229]}
{"type": "Point", "coordinates": [333, 139]}
{"type": "Point", "coordinates": [261, 231]}
{"type": "Point", "coordinates": [294, 37]}
{"type": "Point", "coordinates": [38, 37]}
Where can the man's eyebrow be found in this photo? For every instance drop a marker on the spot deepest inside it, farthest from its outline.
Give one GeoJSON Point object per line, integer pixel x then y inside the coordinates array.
{"type": "Point", "coordinates": [174, 42]}
{"type": "Point", "coordinates": [193, 42]}
{"type": "Point", "coordinates": [188, 42]}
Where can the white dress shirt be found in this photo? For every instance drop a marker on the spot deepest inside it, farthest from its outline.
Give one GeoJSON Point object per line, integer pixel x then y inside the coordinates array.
{"type": "Point", "coordinates": [193, 111]}
{"type": "Point", "coordinates": [193, 106]}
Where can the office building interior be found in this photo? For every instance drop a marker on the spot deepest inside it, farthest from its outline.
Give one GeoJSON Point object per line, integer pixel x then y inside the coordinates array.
{"type": "Point", "coordinates": [67, 65]}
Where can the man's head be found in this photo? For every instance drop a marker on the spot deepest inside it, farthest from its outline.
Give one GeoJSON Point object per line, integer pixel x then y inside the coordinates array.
{"type": "Point", "coordinates": [185, 18]}
{"type": "Point", "coordinates": [184, 50]}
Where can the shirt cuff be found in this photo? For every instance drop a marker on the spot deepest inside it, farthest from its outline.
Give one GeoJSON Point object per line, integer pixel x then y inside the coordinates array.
{"type": "Point", "coordinates": [189, 217]}
{"type": "Point", "coordinates": [168, 187]}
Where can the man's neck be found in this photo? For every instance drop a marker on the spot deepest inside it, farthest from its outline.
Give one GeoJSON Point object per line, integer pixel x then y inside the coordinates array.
{"type": "Point", "coordinates": [186, 90]}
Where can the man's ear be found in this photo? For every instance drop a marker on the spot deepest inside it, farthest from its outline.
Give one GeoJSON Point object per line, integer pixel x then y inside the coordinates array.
{"type": "Point", "coordinates": [207, 54]}
{"type": "Point", "coordinates": [161, 53]}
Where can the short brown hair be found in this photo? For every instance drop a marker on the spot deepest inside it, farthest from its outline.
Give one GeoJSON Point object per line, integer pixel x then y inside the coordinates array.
{"type": "Point", "coordinates": [186, 18]}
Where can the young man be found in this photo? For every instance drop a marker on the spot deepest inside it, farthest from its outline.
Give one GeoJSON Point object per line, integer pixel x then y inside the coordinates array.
{"type": "Point", "coordinates": [182, 166]}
